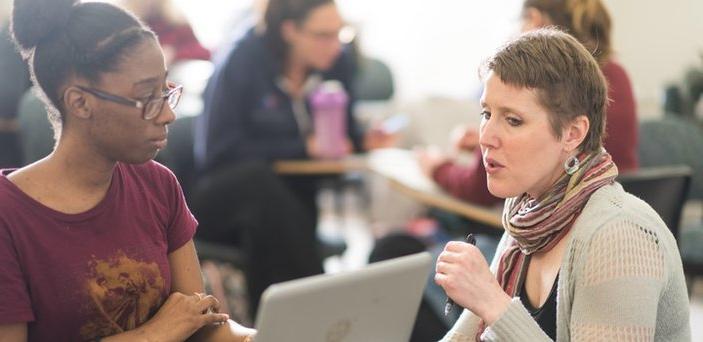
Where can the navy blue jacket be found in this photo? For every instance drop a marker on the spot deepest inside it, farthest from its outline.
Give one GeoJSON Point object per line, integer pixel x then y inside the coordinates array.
{"type": "Point", "coordinates": [248, 117]}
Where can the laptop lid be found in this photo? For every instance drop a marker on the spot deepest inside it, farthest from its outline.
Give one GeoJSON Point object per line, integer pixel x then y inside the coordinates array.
{"type": "Point", "coordinates": [376, 303]}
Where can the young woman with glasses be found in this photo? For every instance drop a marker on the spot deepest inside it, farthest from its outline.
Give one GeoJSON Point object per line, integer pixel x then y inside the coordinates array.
{"type": "Point", "coordinates": [96, 238]}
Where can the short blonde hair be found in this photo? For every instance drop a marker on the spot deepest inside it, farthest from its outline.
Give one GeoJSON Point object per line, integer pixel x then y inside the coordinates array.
{"type": "Point", "coordinates": [567, 79]}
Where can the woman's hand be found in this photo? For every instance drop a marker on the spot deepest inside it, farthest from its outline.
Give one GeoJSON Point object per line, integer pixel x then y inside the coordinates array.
{"type": "Point", "coordinates": [232, 331]}
{"type": "Point", "coordinates": [464, 138]}
{"type": "Point", "coordinates": [315, 151]}
{"type": "Point", "coordinates": [181, 316]}
{"type": "Point", "coordinates": [430, 159]}
{"type": "Point", "coordinates": [376, 138]}
{"type": "Point", "coordinates": [464, 275]}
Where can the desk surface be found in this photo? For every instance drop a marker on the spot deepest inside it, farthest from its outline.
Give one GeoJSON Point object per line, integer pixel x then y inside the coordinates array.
{"type": "Point", "coordinates": [400, 168]}
{"type": "Point", "coordinates": [317, 167]}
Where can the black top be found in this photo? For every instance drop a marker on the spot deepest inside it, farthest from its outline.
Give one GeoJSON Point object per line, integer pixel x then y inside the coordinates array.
{"type": "Point", "coordinates": [546, 316]}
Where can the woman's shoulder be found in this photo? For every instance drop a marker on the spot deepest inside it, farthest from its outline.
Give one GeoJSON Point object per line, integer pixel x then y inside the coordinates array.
{"type": "Point", "coordinates": [151, 172]}
{"type": "Point", "coordinates": [613, 216]}
{"type": "Point", "coordinates": [246, 54]}
{"type": "Point", "coordinates": [7, 191]}
{"type": "Point", "coordinates": [247, 47]}
{"type": "Point", "coordinates": [612, 203]}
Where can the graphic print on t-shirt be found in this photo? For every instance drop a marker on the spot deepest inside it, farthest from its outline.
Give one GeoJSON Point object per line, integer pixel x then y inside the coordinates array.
{"type": "Point", "coordinates": [124, 293]}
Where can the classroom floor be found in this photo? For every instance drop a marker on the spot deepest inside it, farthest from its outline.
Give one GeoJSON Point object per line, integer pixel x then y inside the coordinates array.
{"type": "Point", "coordinates": [351, 214]}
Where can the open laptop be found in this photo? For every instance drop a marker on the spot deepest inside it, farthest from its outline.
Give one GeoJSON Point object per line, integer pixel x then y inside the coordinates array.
{"type": "Point", "coordinates": [376, 303]}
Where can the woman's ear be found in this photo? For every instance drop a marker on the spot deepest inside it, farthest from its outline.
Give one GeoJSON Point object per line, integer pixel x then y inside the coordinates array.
{"type": "Point", "coordinates": [77, 103]}
{"type": "Point", "coordinates": [289, 31]}
{"type": "Point", "coordinates": [575, 133]}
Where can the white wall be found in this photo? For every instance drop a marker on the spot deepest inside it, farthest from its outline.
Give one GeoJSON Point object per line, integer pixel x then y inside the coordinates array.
{"type": "Point", "coordinates": [656, 41]}
{"type": "Point", "coordinates": [435, 47]}
{"type": "Point", "coordinates": [212, 20]}
{"type": "Point", "coordinates": [5, 8]}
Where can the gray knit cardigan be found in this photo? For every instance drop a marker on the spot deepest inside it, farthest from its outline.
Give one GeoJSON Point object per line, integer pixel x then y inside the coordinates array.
{"type": "Point", "coordinates": [620, 279]}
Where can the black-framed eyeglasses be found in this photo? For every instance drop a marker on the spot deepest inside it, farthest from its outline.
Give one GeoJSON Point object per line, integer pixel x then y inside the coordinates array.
{"type": "Point", "coordinates": [150, 107]}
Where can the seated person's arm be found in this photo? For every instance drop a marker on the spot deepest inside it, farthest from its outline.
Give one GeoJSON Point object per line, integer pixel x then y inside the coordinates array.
{"type": "Point", "coordinates": [182, 315]}
{"type": "Point", "coordinates": [13, 332]}
{"type": "Point", "coordinates": [467, 183]}
{"type": "Point", "coordinates": [186, 278]}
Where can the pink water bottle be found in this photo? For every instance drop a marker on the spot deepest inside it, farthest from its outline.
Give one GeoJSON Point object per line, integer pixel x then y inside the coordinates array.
{"type": "Point", "coordinates": [329, 107]}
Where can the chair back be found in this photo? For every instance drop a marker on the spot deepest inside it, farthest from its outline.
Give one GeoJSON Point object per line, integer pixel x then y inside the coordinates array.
{"type": "Point", "coordinates": [36, 134]}
{"type": "Point", "coordinates": [374, 81]}
{"type": "Point", "coordinates": [673, 141]}
{"type": "Point", "coordinates": [665, 189]}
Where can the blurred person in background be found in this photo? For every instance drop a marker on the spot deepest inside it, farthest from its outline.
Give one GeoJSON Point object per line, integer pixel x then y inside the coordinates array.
{"type": "Point", "coordinates": [14, 83]}
{"type": "Point", "coordinates": [258, 109]}
{"type": "Point", "coordinates": [256, 102]}
{"type": "Point", "coordinates": [175, 34]}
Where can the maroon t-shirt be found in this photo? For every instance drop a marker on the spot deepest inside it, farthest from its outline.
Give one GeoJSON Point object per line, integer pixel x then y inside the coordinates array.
{"type": "Point", "coordinates": [94, 274]}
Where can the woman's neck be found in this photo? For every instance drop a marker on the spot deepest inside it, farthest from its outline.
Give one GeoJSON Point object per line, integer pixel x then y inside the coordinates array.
{"type": "Point", "coordinates": [547, 184]}
{"type": "Point", "coordinates": [72, 179]}
{"type": "Point", "coordinates": [80, 166]}
{"type": "Point", "coordinates": [295, 73]}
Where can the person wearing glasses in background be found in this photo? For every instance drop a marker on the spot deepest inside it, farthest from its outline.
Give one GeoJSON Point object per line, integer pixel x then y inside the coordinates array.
{"type": "Point", "coordinates": [256, 111]}
{"type": "Point", "coordinates": [96, 238]}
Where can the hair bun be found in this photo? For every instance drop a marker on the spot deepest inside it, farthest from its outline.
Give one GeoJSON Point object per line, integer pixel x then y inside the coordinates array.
{"type": "Point", "coordinates": [35, 20]}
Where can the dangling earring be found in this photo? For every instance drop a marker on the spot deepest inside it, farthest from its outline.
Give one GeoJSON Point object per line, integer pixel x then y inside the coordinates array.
{"type": "Point", "coordinates": [571, 165]}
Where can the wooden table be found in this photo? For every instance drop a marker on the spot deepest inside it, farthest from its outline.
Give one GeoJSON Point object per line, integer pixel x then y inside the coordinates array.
{"type": "Point", "coordinates": [319, 167]}
{"type": "Point", "coordinates": [401, 169]}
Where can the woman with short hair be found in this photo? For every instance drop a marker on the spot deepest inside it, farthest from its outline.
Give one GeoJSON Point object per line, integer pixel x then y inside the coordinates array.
{"type": "Point", "coordinates": [581, 259]}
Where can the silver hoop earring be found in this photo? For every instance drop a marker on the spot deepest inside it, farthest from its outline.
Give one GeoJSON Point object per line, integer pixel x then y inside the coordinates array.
{"type": "Point", "coordinates": [571, 165]}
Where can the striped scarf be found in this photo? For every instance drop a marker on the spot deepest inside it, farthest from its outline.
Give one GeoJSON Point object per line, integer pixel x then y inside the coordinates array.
{"type": "Point", "coordinates": [537, 225]}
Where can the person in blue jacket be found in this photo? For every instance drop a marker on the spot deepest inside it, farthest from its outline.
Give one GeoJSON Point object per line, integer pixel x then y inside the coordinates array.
{"type": "Point", "coordinates": [257, 111]}
{"type": "Point", "coordinates": [256, 101]}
